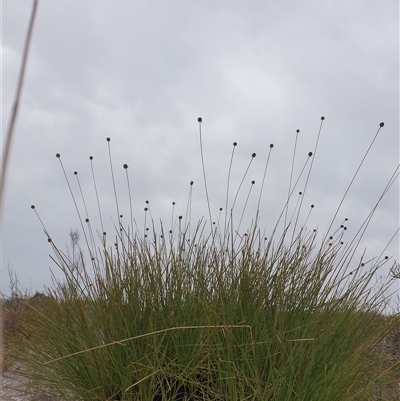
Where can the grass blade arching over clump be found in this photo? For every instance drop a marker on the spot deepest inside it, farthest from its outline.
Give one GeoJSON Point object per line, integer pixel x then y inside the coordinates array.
{"type": "Point", "coordinates": [217, 313]}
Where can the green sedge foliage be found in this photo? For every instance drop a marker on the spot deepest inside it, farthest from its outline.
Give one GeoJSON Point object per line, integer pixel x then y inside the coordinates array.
{"type": "Point", "coordinates": [210, 316]}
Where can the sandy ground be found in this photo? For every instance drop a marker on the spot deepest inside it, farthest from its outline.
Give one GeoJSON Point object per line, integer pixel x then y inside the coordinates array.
{"type": "Point", "coordinates": [11, 388]}
{"type": "Point", "coordinates": [14, 388]}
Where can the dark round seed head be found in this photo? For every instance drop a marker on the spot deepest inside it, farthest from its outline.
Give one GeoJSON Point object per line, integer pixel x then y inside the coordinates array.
{"type": "Point", "coordinates": [362, 264]}
{"type": "Point", "coordinates": [87, 220]}
{"type": "Point", "coordinates": [300, 193]}
{"type": "Point", "coordinates": [125, 166]}
{"type": "Point", "coordinates": [253, 155]}
{"type": "Point", "coordinates": [180, 217]}
{"type": "Point", "coordinates": [346, 219]}
{"type": "Point", "coordinates": [386, 257]}
{"type": "Point", "coordinates": [381, 124]}
{"type": "Point", "coordinates": [104, 233]}
{"type": "Point", "coordinates": [253, 182]}
{"type": "Point", "coordinates": [297, 131]}
{"type": "Point", "coordinates": [173, 203]}
{"type": "Point", "coordinates": [121, 216]}
{"type": "Point", "coordinates": [341, 242]}
{"type": "Point", "coordinates": [309, 154]}
{"type": "Point", "coordinates": [48, 239]}
{"type": "Point", "coordinates": [342, 226]}
{"type": "Point", "coordinates": [330, 237]}
{"type": "Point", "coordinates": [191, 182]}
{"type": "Point", "coordinates": [322, 118]}
{"type": "Point", "coordinates": [312, 206]}
{"type": "Point", "coordinates": [58, 155]}
{"type": "Point", "coordinates": [90, 157]}
{"type": "Point", "coordinates": [108, 139]}
{"type": "Point", "coordinates": [271, 145]}
{"type": "Point", "coordinates": [199, 119]}
{"type": "Point", "coordinates": [234, 143]}
{"type": "Point", "coordinates": [170, 231]}
{"type": "Point", "coordinates": [147, 201]}
{"type": "Point", "coordinates": [147, 228]}
{"type": "Point", "coordinates": [32, 206]}
{"type": "Point", "coordinates": [145, 209]}
{"type": "Point", "coordinates": [220, 209]}
{"type": "Point", "coordinates": [75, 172]}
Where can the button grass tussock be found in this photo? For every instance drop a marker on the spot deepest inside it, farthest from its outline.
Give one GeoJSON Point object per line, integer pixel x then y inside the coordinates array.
{"type": "Point", "coordinates": [239, 304]}
{"type": "Point", "coordinates": [215, 309]}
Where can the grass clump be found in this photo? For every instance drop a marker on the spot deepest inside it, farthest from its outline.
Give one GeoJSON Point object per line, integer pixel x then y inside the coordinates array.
{"type": "Point", "coordinates": [208, 314]}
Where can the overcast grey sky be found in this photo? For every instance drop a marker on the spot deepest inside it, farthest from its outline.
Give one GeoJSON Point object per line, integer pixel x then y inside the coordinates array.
{"type": "Point", "coordinates": [142, 73]}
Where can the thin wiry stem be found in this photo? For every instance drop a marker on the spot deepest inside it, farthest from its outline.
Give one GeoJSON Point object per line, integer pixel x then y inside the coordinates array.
{"type": "Point", "coordinates": [113, 180]}
{"type": "Point", "coordinates": [189, 208]}
{"type": "Point", "coordinates": [37, 214]}
{"type": "Point", "coordinates": [245, 205]}
{"type": "Point", "coordinates": [263, 180]}
{"type": "Point", "coordinates": [172, 215]}
{"type": "Point", "coordinates": [291, 175]}
{"type": "Point", "coordinates": [87, 213]}
{"type": "Point", "coordinates": [227, 186]}
{"type": "Point", "coordinates": [354, 176]}
{"type": "Point", "coordinates": [204, 172]}
{"type": "Point", "coordinates": [240, 186]}
{"type": "Point", "coordinates": [130, 197]}
{"type": "Point", "coordinates": [97, 195]}
{"type": "Point", "coordinates": [308, 175]}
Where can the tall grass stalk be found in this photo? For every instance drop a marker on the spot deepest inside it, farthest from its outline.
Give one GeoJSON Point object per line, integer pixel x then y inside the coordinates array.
{"type": "Point", "coordinates": [212, 314]}
{"type": "Point", "coordinates": [6, 147]}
